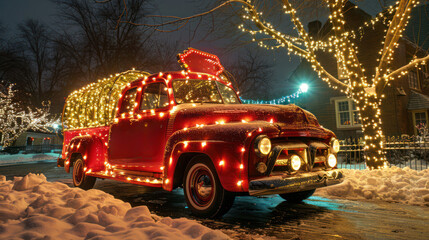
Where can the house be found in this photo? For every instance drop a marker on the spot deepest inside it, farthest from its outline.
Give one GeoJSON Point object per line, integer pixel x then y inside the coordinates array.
{"type": "Point", "coordinates": [406, 104]}
{"type": "Point", "coordinates": [33, 141]}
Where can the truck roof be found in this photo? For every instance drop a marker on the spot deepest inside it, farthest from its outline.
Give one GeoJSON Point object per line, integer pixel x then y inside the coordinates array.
{"type": "Point", "coordinates": [95, 104]}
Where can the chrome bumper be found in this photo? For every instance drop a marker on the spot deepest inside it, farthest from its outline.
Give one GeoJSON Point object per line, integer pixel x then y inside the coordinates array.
{"type": "Point", "coordinates": [298, 183]}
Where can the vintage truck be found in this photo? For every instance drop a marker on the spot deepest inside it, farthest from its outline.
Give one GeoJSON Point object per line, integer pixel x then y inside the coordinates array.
{"type": "Point", "coordinates": [189, 129]}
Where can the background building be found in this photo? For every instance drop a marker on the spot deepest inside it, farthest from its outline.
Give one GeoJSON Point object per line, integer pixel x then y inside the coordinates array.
{"type": "Point", "coordinates": [406, 102]}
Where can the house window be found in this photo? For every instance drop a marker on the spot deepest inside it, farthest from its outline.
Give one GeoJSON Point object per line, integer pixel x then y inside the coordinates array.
{"type": "Point", "coordinates": [420, 120]}
{"type": "Point", "coordinates": [413, 80]}
{"type": "Point", "coordinates": [347, 114]}
{"type": "Point", "coordinates": [46, 141]}
{"type": "Point", "coordinates": [30, 141]}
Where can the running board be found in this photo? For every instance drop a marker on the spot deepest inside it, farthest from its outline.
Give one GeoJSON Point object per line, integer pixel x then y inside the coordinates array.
{"type": "Point", "coordinates": [152, 181]}
{"type": "Point", "coordinates": [136, 173]}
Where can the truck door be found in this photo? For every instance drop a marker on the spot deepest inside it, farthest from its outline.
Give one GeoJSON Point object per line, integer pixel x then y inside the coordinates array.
{"type": "Point", "coordinates": [138, 143]}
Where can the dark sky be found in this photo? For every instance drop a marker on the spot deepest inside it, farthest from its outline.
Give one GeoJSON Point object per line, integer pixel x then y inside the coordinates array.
{"type": "Point", "coordinates": [13, 12]}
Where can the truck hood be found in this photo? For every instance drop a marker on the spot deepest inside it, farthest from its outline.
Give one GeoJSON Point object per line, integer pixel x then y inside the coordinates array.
{"type": "Point", "coordinates": [287, 118]}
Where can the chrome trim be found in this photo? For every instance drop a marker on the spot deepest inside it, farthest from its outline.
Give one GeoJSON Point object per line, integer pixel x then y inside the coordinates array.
{"type": "Point", "coordinates": [276, 150]}
{"type": "Point", "coordinates": [297, 183]}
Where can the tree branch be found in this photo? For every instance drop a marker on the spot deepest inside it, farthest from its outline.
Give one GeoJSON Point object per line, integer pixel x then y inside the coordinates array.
{"type": "Point", "coordinates": [411, 64]}
{"type": "Point", "coordinates": [396, 27]}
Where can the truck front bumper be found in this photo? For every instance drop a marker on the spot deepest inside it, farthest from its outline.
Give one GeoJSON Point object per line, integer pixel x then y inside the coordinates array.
{"type": "Point", "coordinates": [297, 183]}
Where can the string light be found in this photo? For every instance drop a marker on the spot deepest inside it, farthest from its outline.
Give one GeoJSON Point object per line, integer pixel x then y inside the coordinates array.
{"type": "Point", "coordinates": [366, 92]}
{"type": "Point", "coordinates": [282, 100]}
{"type": "Point", "coordinates": [96, 104]}
{"type": "Point", "coordinates": [208, 63]}
{"type": "Point", "coordinates": [16, 119]}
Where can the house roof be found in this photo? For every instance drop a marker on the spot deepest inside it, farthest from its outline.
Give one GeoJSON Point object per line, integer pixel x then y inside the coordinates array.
{"type": "Point", "coordinates": [418, 101]}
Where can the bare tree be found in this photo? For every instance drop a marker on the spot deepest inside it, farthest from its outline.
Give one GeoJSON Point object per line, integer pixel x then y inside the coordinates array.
{"type": "Point", "coordinates": [95, 44]}
{"type": "Point", "coordinates": [251, 73]}
{"type": "Point", "coordinates": [33, 63]}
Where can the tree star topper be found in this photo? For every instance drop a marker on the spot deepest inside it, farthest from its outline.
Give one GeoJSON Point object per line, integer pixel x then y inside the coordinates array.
{"type": "Point", "coordinates": [198, 61]}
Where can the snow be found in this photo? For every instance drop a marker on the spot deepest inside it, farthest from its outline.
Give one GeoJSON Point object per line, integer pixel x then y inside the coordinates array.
{"type": "Point", "coordinates": [32, 208]}
{"type": "Point", "coordinates": [416, 164]}
{"type": "Point", "coordinates": [401, 185]}
{"type": "Point", "coordinates": [11, 159]}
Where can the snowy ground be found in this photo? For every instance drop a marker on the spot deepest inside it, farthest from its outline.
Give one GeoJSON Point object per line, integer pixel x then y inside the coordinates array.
{"type": "Point", "coordinates": [32, 208]}
{"type": "Point", "coordinates": [10, 159]}
{"type": "Point", "coordinates": [402, 185]}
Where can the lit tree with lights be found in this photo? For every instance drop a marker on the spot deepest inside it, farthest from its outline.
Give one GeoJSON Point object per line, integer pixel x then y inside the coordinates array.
{"type": "Point", "coordinates": [15, 119]}
{"type": "Point", "coordinates": [366, 91]}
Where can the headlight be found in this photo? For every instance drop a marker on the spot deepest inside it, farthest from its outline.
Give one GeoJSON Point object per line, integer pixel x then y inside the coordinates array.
{"type": "Point", "coordinates": [332, 161]}
{"type": "Point", "coordinates": [263, 145]}
{"type": "Point", "coordinates": [335, 145]}
{"type": "Point", "coordinates": [295, 162]}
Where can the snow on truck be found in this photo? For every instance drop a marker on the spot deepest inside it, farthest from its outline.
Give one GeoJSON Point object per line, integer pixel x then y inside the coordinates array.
{"type": "Point", "coordinates": [189, 129]}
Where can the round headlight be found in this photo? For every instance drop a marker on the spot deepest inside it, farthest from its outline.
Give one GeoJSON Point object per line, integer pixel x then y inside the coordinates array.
{"type": "Point", "coordinates": [332, 161]}
{"type": "Point", "coordinates": [335, 145]}
{"type": "Point", "coordinates": [295, 162]}
{"type": "Point", "coordinates": [263, 145]}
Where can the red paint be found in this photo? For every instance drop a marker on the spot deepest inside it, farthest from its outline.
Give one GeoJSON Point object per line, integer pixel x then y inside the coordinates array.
{"type": "Point", "coordinates": [198, 61]}
{"type": "Point", "coordinates": [152, 142]}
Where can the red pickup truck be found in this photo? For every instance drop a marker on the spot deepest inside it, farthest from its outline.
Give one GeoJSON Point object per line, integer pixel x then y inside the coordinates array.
{"type": "Point", "coordinates": [189, 129]}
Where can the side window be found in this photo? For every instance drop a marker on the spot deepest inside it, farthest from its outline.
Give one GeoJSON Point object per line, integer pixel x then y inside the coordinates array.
{"type": "Point", "coordinates": [228, 95]}
{"type": "Point", "coordinates": [128, 101]}
{"type": "Point", "coordinates": [155, 96]}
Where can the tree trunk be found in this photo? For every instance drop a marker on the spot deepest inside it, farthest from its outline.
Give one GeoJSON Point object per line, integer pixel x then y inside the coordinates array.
{"type": "Point", "coordinates": [373, 134]}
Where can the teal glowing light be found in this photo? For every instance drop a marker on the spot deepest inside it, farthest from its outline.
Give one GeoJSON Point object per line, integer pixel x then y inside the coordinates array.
{"type": "Point", "coordinates": [303, 88]}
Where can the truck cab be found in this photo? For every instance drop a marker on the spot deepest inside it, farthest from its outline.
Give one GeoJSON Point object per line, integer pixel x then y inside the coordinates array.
{"type": "Point", "coordinates": [189, 129]}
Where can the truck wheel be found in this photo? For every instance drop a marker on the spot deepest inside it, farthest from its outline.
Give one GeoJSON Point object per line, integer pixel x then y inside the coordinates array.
{"type": "Point", "coordinates": [79, 177]}
{"type": "Point", "coordinates": [297, 197]}
{"type": "Point", "coordinates": [204, 193]}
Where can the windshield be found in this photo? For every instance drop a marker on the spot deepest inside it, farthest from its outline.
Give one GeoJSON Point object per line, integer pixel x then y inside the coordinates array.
{"type": "Point", "coordinates": [203, 91]}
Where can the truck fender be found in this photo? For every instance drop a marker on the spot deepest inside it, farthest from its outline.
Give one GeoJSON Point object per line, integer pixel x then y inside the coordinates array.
{"type": "Point", "coordinates": [229, 158]}
{"type": "Point", "coordinates": [90, 148]}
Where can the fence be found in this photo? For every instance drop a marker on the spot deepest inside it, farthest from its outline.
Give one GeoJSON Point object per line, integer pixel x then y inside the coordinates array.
{"type": "Point", "coordinates": [33, 148]}
{"type": "Point", "coordinates": [405, 151]}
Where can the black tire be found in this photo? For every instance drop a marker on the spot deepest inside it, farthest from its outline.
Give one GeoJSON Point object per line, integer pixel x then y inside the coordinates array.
{"type": "Point", "coordinates": [297, 197]}
{"type": "Point", "coordinates": [79, 177]}
{"type": "Point", "coordinates": [201, 175]}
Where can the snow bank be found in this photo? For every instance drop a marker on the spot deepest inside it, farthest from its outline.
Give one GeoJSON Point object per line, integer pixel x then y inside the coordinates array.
{"type": "Point", "coordinates": [10, 159]}
{"type": "Point", "coordinates": [32, 208]}
{"type": "Point", "coordinates": [402, 185]}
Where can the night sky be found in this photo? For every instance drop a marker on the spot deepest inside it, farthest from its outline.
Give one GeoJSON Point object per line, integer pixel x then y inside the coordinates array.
{"type": "Point", "coordinates": [16, 11]}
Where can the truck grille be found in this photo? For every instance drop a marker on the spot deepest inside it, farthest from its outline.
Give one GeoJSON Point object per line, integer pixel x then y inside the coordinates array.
{"type": "Point", "coordinates": [313, 156]}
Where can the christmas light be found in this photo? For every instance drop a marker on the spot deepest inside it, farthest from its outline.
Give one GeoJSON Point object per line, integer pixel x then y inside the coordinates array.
{"type": "Point", "coordinates": [207, 63]}
{"type": "Point", "coordinates": [282, 100]}
{"type": "Point", "coordinates": [366, 92]}
{"type": "Point", "coordinates": [16, 119]}
{"type": "Point", "coordinates": [96, 104]}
